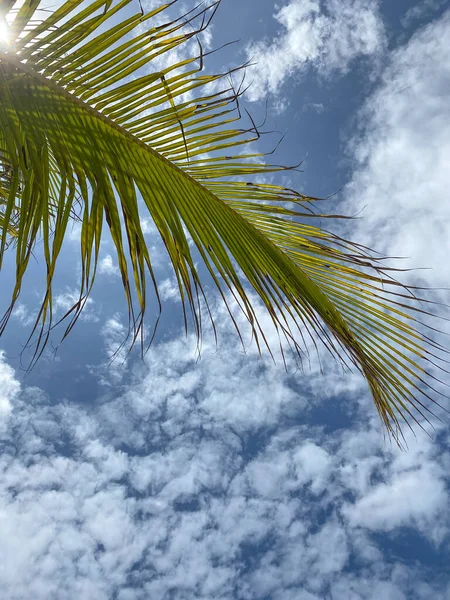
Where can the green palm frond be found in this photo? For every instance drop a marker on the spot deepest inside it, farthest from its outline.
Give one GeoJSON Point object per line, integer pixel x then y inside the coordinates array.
{"type": "Point", "coordinates": [87, 120]}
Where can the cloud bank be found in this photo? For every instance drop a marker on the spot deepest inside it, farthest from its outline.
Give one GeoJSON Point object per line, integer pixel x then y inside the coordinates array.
{"type": "Point", "coordinates": [217, 478]}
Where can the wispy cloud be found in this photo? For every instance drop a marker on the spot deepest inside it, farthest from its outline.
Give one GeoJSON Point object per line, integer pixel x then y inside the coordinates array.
{"type": "Point", "coordinates": [316, 107]}
{"type": "Point", "coordinates": [63, 301]}
{"type": "Point", "coordinates": [115, 339]}
{"type": "Point", "coordinates": [22, 314]}
{"type": "Point", "coordinates": [324, 35]}
{"type": "Point", "coordinates": [422, 10]}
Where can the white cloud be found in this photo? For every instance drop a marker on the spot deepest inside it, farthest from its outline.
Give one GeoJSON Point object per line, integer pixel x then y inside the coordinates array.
{"type": "Point", "coordinates": [115, 339]}
{"type": "Point", "coordinates": [403, 158]}
{"type": "Point", "coordinates": [206, 479]}
{"type": "Point", "coordinates": [326, 36]}
{"type": "Point", "coordinates": [410, 490]}
{"type": "Point", "coordinates": [64, 301]}
{"type": "Point", "coordinates": [211, 479]}
{"type": "Point", "coordinates": [412, 496]}
{"type": "Point", "coordinates": [148, 226]}
{"type": "Point", "coordinates": [316, 107]}
{"type": "Point", "coordinates": [168, 290]}
{"type": "Point", "coordinates": [422, 10]}
{"type": "Point", "coordinates": [74, 232]}
{"type": "Point", "coordinates": [157, 252]}
{"type": "Point", "coordinates": [9, 388]}
{"type": "Point", "coordinates": [106, 266]}
{"type": "Point", "coordinates": [22, 314]}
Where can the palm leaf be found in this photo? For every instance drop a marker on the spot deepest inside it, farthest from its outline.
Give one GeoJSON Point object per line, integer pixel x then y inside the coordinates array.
{"type": "Point", "coordinates": [87, 118]}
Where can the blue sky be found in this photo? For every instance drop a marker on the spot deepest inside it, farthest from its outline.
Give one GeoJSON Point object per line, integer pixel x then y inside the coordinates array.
{"type": "Point", "coordinates": [227, 477]}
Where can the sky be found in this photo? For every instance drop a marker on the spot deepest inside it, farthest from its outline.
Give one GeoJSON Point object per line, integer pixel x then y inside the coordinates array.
{"type": "Point", "coordinates": [229, 477]}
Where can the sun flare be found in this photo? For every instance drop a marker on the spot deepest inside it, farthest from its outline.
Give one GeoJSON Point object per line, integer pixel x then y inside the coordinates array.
{"type": "Point", "coordinates": [4, 33]}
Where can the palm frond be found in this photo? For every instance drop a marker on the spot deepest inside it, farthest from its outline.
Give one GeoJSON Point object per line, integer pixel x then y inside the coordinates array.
{"type": "Point", "coordinates": [85, 117]}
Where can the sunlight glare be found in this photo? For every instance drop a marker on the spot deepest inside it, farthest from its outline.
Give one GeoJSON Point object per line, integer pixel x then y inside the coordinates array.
{"type": "Point", "coordinates": [4, 33]}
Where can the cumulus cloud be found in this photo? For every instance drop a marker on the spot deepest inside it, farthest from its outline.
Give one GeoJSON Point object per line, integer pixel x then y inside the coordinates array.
{"type": "Point", "coordinates": [106, 266]}
{"type": "Point", "coordinates": [409, 493]}
{"type": "Point", "coordinates": [384, 507]}
{"type": "Point", "coordinates": [326, 36]}
{"type": "Point", "coordinates": [157, 491]}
